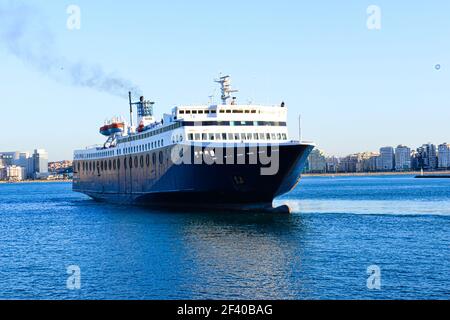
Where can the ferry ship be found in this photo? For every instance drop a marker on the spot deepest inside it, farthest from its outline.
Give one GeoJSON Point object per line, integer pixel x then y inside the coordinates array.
{"type": "Point", "coordinates": [225, 156]}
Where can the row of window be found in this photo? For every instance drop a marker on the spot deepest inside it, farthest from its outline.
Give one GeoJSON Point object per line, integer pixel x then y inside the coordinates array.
{"type": "Point", "coordinates": [121, 151]}
{"type": "Point", "coordinates": [214, 111]}
{"type": "Point", "coordinates": [236, 136]}
{"type": "Point", "coordinates": [234, 123]}
{"type": "Point", "coordinates": [115, 164]}
{"type": "Point", "coordinates": [142, 147]}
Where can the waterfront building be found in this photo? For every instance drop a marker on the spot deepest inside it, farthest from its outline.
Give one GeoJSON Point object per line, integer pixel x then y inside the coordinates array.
{"type": "Point", "coordinates": [9, 158]}
{"type": "Point", "coordinates": [332, 164]}
{"type": "Point", "coordinates": [12, 173]}
{"type": "Point", "coordinates": [349, 164]}
{"type": "Point", "coordinates": [373, 163]}
{"type": "Point", "coordinates": [367, 161]}
{"type": "Point", "coordinates": [317, 162]}
{"type": "Point", "coordinates": [402, 158]}
{"type": "Point", "coordinates": [40, 164]}
{"type": "Point", "coordinates": [444, 156]}
{"type": "Point", "coordinates": [387, 159]}
{"type": "Point", "coordinates": [427, 157]}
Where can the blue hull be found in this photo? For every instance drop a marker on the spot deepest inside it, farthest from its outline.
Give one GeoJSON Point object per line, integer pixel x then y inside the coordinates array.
{"type": "Point", "coordinates": [152, 179]}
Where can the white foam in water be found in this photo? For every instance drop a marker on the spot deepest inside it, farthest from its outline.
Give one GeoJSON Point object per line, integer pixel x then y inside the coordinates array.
{"type": "Point", "coordinates": [441, 208]}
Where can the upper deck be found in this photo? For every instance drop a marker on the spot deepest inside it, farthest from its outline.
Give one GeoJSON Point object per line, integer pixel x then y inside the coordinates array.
{"type": "Point", "coordinates": [227, 123]}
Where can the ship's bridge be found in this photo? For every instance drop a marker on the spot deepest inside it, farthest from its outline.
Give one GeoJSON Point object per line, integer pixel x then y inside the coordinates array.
{"type": "Point", "coordinates": [231, 113]}
{"type": "Point", "coordinates": [233, 122]}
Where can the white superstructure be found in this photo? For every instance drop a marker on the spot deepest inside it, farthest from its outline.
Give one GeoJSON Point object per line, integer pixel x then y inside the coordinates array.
{"type": "Point", "coordinates": [228, 123]}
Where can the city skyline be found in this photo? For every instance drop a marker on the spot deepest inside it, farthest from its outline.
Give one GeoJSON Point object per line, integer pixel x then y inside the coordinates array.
{"type": "Point", "coordinates": [356, 88]}
{"type": "Point", "coordinates": [401, 158]}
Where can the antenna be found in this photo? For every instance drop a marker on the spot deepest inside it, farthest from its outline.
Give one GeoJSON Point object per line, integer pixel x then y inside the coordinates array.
{"type": "Point", "coordinates": [225, 84]}
{"type": "Point", "coordinates": [131, 109]}
{"type": "Point", "coordinates": [300, 138]}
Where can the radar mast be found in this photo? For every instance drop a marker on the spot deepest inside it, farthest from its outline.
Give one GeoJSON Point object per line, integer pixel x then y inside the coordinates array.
{"type": "Point", "coordinates": [225, 83]}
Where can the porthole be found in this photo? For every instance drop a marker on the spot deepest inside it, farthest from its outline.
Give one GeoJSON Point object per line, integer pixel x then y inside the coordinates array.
{"type": "Point", "coordinates": [118, 164]}
{"type": "Point", "coordinates": [114, 164]}
{"type": "Point", "coordinates": [125, 163]}
{"type": "Point", "coordinates": [147, 160]}
{"type": "Point", "coordinates": [130, 162]}
{"type": "Point", "coordinates": [154, 158]}
{"type": "Point", "coordinates": [110, 165]}
{"type": "Point", "coordinates": [161, 157]}
{"type": "Point", "coordinates": [136, 162]}
{"type": "Point", "coordinates": [142, 161]}
{"type": "Point", "coordinates": [101, 166]}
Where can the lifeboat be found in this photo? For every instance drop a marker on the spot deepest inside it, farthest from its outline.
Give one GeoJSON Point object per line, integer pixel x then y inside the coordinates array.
{"type": "Point", "coordinates": [141, 127]}
{"type": "Point", "coordinates": [112, 128]}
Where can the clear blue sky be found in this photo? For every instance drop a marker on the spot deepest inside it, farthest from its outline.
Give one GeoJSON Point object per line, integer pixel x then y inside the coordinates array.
{"type": "Point", "coordinates": [357, 89]}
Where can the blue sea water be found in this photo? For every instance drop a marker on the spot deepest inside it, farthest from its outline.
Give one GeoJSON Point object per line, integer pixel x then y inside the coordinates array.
{"type": "Point", "coordinates": [340, 227]}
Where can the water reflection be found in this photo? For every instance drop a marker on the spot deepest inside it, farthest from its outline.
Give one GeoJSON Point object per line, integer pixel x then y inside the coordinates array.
{"type": "Point", "coordinates": [242, 255]}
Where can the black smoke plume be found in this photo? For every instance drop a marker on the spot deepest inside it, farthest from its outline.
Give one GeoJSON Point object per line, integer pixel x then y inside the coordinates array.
{"type": "Point", "coordinates": [24, 34]}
